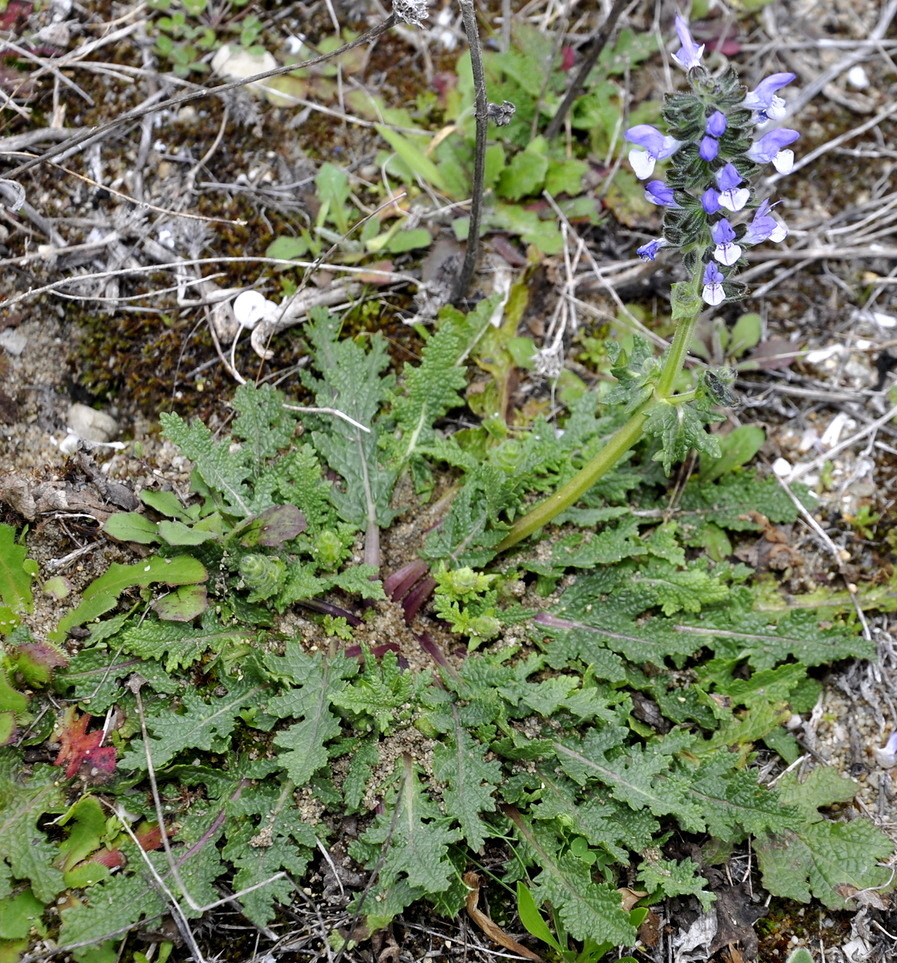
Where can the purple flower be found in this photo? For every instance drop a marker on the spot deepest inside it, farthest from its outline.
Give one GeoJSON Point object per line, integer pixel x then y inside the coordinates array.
{"type": "Point", "coordinates": [713, 292]}
{"type": "Point", "coordinates": [716, 124]}
{"type": "Point", "coordinates": [647, 252]}
{"type": "Point", "coordinates": [731, 196]}
{"type": "Point", "coordinates": [657, 147]}
{"type": "Point", "coordinates": [658, 193]}
{"type": "Point", "coordinates": [709, 148]}
{"type": "Point", "coordinates": [710, 201]}
{"type": "Point", "coordinates": [726, 251]}
{"type": "Point", "coordinates": [690, 53]}
{"type": "Point", "coordinates": [763, 98]}
{"type": "Point", "coordinates": [765, 227]}
{"type": "Point", "coordinates": [769, 149]}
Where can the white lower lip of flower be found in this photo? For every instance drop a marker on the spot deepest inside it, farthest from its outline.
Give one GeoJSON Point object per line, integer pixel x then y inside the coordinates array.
{"type": "Point", "coordinates": [783, 162]}
{"type": "Point", "coordinates": [642, 163]}
{"type": "Point", "coordinates": [734, 200]}
{"type": "Point", "coordinates": [713, 294]}
{"type": "Point", "coordinates": [727, 254]}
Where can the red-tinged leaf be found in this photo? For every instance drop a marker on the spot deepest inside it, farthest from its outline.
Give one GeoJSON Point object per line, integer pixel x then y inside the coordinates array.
{"type": "Point", "coordinates": [111, 858]}
{"type": "Point", "coordinates": [279, 524]}
{"type": "Point", "coordinates": [568, 58]}
{"type": "Point", "coordinates": [35, 661]}
{"type": "Point", "coordinates": [82, 749]}
{"type": "Point", "coordinates": [399, 583]}
{"type": "Point", "coordinates": [149, 835]}
{"type": "Point", "coordinates": [725, 45]}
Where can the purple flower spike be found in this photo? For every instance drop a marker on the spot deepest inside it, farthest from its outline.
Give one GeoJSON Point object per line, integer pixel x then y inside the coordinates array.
{"type": "Point", "coordinates": [769, 149]}
{"type": "Point", "coordinates": [648, 252]}
{"type": "Point", "coordinates": [726, 251]}
{"type": "Point", "coordinates": [731, 196]}
{"type": "Point", "coordinates": [713, 292]}
{"type": "Point", "coordinates": [716, 124]}
{"type": "Point", "coordinates": [710, 201]}
{"type": "Point", "coordinates": [709, 148]}
{"type": "Point", "coordinates": [658, 193]}
{"type": "Point", "coordinates": [690, 54]}
{"type": "Point", "coordinates": [763, 98]}
{"type": "Point", "coordinates": [765, 227]}
{"type": "Point", "coordinates": [657, 147]}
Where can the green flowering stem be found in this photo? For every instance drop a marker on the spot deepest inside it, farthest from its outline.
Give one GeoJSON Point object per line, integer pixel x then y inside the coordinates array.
{"type": "Point", "coordinates": [624, 439]}
{"type": "Point", "coordinates": [687, 307]}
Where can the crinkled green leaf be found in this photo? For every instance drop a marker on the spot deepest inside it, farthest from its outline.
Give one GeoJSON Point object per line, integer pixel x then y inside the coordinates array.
{"type": "Point", "coordinates": [729, 501]}
{"type": "Point", "coordinates": [671, 878]}
{"type": "Point", "coordinates": [177, 645]}
{"type": "Point", "coordinates": [413, 837]}
{"type": "Point", "coordinates": [196, 723]}
{"type": "Point", "coordinates": [111, 906]}
{"type": "Point", "coordinates": [471, 783]}
{"type": "Point", "coordinates": [24, 800]}
{"type": "Point", "coordinates": [315, 681]}
{"type": "Point", "coordinates": [589, 910]}
{"type": "Point", "coordinates": [636, 776]}
{"type": "Point", "coordinates": [266, 836]}
{"type": "Point", "coordinates": [732, 803]}
{"type": "Point", "coordinates": [16, 573]}
{"type": "Point", "coordinates": [679, 428]}
{"type": "Point", "coordinates": [352, 381]}
{"type": "Point", "coordinates": [224, 471]}
{"type": "Point", "coordinates": [263, 425]}
{"type": "Point", "coordinates": [820, 858]}
{"type": "Point", "coordinates": [380, 691]}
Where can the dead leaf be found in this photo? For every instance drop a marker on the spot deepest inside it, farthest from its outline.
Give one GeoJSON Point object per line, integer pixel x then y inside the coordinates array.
{"type": "Point", "coordinates": [492, 930]}
{"type": "Point", "coordinates": [865, 897]}
{"type": "Point", "coordinates": [630, 896]}
{"type": "Point", "coordinates": [82, 749]}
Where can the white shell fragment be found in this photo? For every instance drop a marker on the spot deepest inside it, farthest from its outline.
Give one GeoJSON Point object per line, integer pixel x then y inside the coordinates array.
{"type": "Point", "coordinates": [250, 307]}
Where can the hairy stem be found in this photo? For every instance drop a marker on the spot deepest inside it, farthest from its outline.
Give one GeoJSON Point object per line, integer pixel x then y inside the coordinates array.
{"type": "Point", "coordinates": [629, 434]}
{"type": "Point", "coordinates": [479, 160]}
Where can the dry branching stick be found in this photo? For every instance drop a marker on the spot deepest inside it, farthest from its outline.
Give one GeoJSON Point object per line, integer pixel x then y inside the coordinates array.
{"type": "Point", "coordinates": [579, 81]}
{"type": "Point", "coordinates": [479, 160]}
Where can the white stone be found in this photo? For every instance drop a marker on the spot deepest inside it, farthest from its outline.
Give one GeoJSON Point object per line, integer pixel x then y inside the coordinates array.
{"type": "Point", "coordinates": [14, 341]}
{"type": "Point", "coordinates": [781, 467]}
{"type": "Point", "coordinates": [91, 425]}
{"type": "Point", "coordinates": [858, 78]}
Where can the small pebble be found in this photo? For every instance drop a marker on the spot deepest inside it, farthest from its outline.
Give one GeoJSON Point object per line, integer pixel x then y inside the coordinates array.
{"type": "Point", "coordinates": [781, 467]}
{"type": "Point", "coordinates": [858, 78]}
{"type": "Point", "coordinates": [14, 341]}
{"type": "Point", "coordinates": [90, 424]}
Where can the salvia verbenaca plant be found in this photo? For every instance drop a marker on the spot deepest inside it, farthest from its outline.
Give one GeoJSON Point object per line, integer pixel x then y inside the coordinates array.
{"type": "Point", "coordinates": [716, 145]}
